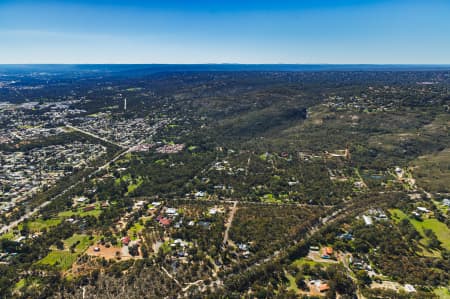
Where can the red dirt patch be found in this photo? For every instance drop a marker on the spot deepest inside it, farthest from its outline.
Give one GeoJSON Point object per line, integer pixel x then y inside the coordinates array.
{"type": "Point", "coordinates": [107, 253]}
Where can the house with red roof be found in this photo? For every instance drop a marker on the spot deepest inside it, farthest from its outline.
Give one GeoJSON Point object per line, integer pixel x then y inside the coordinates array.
{"type": "Point", "coordinates": [126, 240]}
{"type": "Point", "coordinates": [165, 221]}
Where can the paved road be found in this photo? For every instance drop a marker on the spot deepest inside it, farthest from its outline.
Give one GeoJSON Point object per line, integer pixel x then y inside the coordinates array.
{"type": "Point", "coordinates": [13, 224]}
{"type": "Point", "coordinates": [37, 209]}
{"type": "Point", "coordinates": [95, 136]}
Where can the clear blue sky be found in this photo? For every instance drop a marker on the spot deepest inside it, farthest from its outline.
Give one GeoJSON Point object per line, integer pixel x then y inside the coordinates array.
{"type": "Point", "coordinates": [231, 31]}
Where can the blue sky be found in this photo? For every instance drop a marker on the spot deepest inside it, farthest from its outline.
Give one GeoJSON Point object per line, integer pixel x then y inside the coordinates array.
{"type": "Point", "coordinates": [176, 31]}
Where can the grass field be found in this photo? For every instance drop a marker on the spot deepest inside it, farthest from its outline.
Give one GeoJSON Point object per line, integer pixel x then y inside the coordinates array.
{"type": "Point", "coordinates": [270, 198]}
{"type": "Point", "coordinates": [264, 156]}
{"type": "Point", "coordinates": [81, 213]}
{"type": "Point", "coordinates": [444, 209]}
{"type": "Point", "coordinates": [27, 283]}
{"type": "Point", "coordinates": [7, 236]}
{"type": "Point", "coordinates": [440, 229]}
{"type": "Point", "coordinates": [84, 242]}
{"type": "Point", "coordinates": [135, 229]}
{"type": "Point", "coordinates": [165, 247]}
{"type": "Point", "coordinates": [39, 224]}
{"type": "Point", "coordinates": [133, 187]}
{"type": "Point", "coordinates": [292, 284]}
{"type": "Point", "coordinates": [442, 292]}
{"type": "Point", "coordinates": [124, 178]}
{"type": "Point", "coordinates": [20, 284]}
{"type": "Point", "coordinates": [127, 179]}
{"type": "Point", "coordinates": [303, 261]}
{"type": "Point", "coordinates": [429, 252]}
{"type": "Point", "coordinates": [61, 259]}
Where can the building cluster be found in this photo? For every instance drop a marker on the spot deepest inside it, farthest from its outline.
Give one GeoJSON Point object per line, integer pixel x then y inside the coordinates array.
{"type": "Point", "coordinates": [374, 215]}
{"type": "Point", "coordinates": [362, 103]}
{"type": "Point", "coordinates": [33, 120]}
{"type": "Point", "coordinates": [170, 148]}
{"type": "Point", "coordinates": [145, 147]}
{"type": "Point", "coordinates": [126, 132]}
{"type": "Point", "coordinates": [25, 173]}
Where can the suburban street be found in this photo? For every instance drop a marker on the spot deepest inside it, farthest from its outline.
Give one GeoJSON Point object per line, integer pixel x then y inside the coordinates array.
{"type": "Point", "coordinates": [95, 136]}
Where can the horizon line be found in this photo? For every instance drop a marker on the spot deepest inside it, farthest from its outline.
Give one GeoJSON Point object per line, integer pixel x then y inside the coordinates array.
{"type": "Point", "coordinates": [227, 63]}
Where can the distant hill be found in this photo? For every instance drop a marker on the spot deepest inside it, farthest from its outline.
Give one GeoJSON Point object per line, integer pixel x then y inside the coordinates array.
{"type": "Point", "coordinates": [156, 68]}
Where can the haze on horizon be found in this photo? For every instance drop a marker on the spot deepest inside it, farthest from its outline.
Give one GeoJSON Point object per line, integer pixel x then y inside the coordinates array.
{"type": "Point", "coordinates": [305, 32]}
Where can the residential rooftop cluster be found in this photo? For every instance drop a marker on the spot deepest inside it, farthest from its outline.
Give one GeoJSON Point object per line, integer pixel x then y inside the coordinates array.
{"type": "Point", "coordinates": [25, 173]}
{"type": "Point", "coordinates": [126, 132]}
{"type": "Point", "coordinates": [20, 122]}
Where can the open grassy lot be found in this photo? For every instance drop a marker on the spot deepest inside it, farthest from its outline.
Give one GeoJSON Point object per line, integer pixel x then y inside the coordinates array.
{"type": "Point", "coordinates": [397, 215]}
{"type": "Point", "coordinates": [82, 242]}
{"type": "Point", "coordinates": [269, 198]}
{"type": "Point", "coordinates": [20, 284]}
{"type": "Point", "coordinates": [132, 184]}
{"type": "Point", "coordinates": [165, 247]}
{"type": "Point", "coordinates": [134, 230]}
{"type": "Point", "coordinates": [135, 185]}
{"type": "Point", "coordinates": [428, 251]}
{"type": "Point", "coordinates": [80, 213]}
{"type": "Point", "coordinates": [125, 178]}
{"type": "Point", "coordinates": [7, 236]}
{"type": "Point", "coordinates": [305, 261]}
{"type": "Point", "coordinates": [39, 224]}
{"type": "Point", "coordinates": [444, 209]}
{"type": "Point", "coordinates": [61, 259]}
{"type": "Point", "coordinates": [440, 229]}
{"type": "Point", "coordinates": [442, 292]}
{"type": "Point", "coordinates": [292, 284]}
{"type": "Point", "coordinates": [96, 212]}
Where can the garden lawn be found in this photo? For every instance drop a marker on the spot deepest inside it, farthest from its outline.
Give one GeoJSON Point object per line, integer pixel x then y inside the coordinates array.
{"type": "Point", "coordinates": [61, 259]}
{"type": "Point", "coordinates": [83, 244]}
